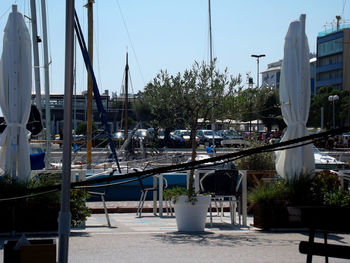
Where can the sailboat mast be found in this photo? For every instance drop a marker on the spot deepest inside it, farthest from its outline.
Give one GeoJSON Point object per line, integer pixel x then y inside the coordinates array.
{"type": "Point", "coordinates": [210, 35]}
{"type": "Point", "coordinates": [36, 55]}
{"type": "Point", "coordinates": [47, 87]}
{"type": "Point", "coordinates": [126, 97]}
{"type": "Point", "coordinates": [211, 66]}
{"type": "Point", "coordinates": [89, 6]}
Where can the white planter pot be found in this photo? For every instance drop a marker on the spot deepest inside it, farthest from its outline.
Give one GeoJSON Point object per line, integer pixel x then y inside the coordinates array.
{"type": "Point", "coordinates": [191, 217]}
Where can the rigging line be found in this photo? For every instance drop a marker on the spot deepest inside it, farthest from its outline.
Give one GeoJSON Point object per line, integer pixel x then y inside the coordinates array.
{"type": "Point", "coordinates": [97, 49]}
{"type": "Point", "coordinates": [28, 196]}
{"type": "Point", "coordinates": [131, 175]}
{"type": "Point", "coordinates": [205, 165]}
{"type": "Point", "coordinates": [192, 165]}
{"type": "Point", "coordinates": [132, 46]}
{"type": "Point", "coordinates": [49, 43]}
{"type": "Point", "coordinates": [344, 3]}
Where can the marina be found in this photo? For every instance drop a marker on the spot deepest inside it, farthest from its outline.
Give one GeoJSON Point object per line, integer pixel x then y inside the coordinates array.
{"type": "Point", "coordinates": [196, 166]}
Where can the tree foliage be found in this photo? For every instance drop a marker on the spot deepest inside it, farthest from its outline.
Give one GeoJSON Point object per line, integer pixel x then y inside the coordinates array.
{"type": "Point", "coordinates": [341, 107]}
{"type": "Point", "coordinates": [82, 128]}
{"type": "Point", "coordinates": [178, 101]}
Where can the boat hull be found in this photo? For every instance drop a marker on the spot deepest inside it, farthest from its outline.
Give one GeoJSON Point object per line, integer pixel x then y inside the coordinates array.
{"type": "Point", "coordinates": [132, 191]}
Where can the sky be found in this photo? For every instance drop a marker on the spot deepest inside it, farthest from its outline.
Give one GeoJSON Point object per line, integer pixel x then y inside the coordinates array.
{"type": "Point", "coordinates": [172, 34]}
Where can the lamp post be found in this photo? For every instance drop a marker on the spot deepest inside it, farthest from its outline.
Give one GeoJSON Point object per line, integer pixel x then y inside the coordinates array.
{"type": "Point", "coordinates": [257, 64]}
{"type": "Point", "coordinates": [333, 99]}
{"type": "Point", "coordinates": [250, 84]}
{"type": "Point", "coordinates": [257, 79]}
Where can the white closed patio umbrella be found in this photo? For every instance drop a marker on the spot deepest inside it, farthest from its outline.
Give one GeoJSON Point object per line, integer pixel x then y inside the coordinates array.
{"type": "Point", "coordinates": [295, 102]}
{"type": "Point", "coordinates": [15, 96]}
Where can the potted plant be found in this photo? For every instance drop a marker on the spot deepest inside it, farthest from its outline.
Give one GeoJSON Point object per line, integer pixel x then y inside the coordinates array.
{"type": "Point", "coordinates": [258, 166]}
{"type": "Point", "coordinates": [37, 213]}
{"type": "Point", "coordinates": [181, 100]}
{"type": "Point", "coordinates": [322, 203]}
{"type": "Point", "coordinates": [268, 201]}
{"type": "Point", "coordinates": [190, 208]}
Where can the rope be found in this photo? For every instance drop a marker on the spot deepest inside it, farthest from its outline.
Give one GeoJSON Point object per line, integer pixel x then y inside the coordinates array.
{"type": "Point", "coordinates": [190, 165]}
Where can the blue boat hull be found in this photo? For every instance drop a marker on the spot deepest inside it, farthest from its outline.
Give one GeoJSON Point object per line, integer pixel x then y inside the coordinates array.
{"type": "Point", "coordinates": [132, 191]}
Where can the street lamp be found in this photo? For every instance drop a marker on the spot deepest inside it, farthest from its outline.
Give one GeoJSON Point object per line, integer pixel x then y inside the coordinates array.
{"type": "Point", "coordinates": [257, 77]}
{"type": "Point", "coordinates": [250, 84]}
{"type": "Point", "coordinates": [257, 63]}
{"type": "Point", "coordinates": [333, 99]}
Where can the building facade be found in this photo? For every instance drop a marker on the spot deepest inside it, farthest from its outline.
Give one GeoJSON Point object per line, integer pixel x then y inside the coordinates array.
{"type": "Point", "coordinates": [271, 76]}
{"type": "Point", "coordinates": [114, 108]}
{"type": "Point", "coordinates": [333, 59]}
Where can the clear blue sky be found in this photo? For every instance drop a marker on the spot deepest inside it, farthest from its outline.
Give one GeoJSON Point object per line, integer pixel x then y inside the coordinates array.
{"type": "Point", "coordinates": [171, 35]}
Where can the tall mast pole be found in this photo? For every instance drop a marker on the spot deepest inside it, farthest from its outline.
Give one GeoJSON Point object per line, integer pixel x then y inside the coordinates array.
{"type": "Point", "coordinates": [126, 97]}
{"type": "Point", "coordinates": [36, 55]}
{"type": "Point", "coordinates": [65, 215]}
{"type": "Point", "coordinates": [211, 68]}
{"type": "Point", "coordinates": [47, 87]}
{"type": "Point", "coordinates": [210, 35]}
{"type": "Point", "coordinates": [89, 6]}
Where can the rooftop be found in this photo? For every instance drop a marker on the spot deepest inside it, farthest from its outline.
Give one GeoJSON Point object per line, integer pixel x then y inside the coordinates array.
{"type": "Point", "coordinates": [332, 30]}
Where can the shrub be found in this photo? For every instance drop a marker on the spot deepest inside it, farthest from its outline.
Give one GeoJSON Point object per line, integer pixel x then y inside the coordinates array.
{"type": "Point", "coordinates": [174, 193]}
{"type": "Point", "coordinates": [50, 201]}
{"type": "Point", "coordinates": [260, 161]}
{"type": "Point", "coordinates": [299, 190]}
{"type": "Point", "coordinates": [340, 198]}
{"type": "Point", "coordinates": [268, 193]}
{"type": "Point", "coordinates": [320, 189]}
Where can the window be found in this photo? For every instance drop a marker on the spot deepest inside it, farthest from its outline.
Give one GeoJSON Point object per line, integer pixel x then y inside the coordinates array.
{"type": "Point", "coordinates": [330, 47]}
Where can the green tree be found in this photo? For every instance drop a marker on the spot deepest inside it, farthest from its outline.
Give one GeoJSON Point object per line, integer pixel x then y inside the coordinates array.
{"type": "Point", "coordinates": [267, 107]}
{"type": "Point", "coordinates": [180, 100]}
{"type": "Point", "coordinates": [321, 100]}
{"type": "Point", "coordinates": [81, 128]}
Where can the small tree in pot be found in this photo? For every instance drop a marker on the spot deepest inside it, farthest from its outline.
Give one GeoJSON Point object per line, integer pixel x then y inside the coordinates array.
{"type": "Point", "coordinates": [180, 100]}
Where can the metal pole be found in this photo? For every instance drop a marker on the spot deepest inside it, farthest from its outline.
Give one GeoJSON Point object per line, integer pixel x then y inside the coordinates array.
{"type": "Point", "coordinates": [36, 56]}
{"type": "Point", "coordinates": [257, 72]}
{"type": "Point", "coordinates": [211, 73]}
{"type": "Point", "coordinates": [250, 113]}
{"type": "Point", "coordinates": [64, 216]}
{"type": "Point", "coordinates": [257, 77]}
{"type": "Point", "coordinates": [210, 35]}
{"type": "Point", "coordinates": [75, 90]}
{"type": "Point", "coordinates": [89, 107]}
{"type": "Point", "coordinates": [257, 82]}
{"type": "Point", "coordinates": [126, 128]}
{"type": "Point", "coordinates": [333, 114]}
{"type": "Point", "coordinates": [47, 87]}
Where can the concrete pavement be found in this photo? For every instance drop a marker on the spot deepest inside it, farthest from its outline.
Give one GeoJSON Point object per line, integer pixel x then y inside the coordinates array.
{"type": "Point", "coordinates": [153, 239]}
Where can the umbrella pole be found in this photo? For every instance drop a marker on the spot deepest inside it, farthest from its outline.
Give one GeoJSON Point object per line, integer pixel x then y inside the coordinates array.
{"type": "Point", "coordinates": [64, 216]}
{"type": "Point", "coordinates": [302, 19]}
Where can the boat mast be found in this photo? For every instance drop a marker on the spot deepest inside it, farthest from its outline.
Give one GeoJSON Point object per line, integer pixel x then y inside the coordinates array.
{"type": "Point", "coordinates": [211, 69]}
{"type": "Point", "coordinates": [89, 6]}
{"type": "Point", "coordinates": [210, 35]}
{"type": "Point", "coordinates": [47, 87]}
{"type": "Point", "coordinates": [35, 38]}
{"type": "Point", "coordinates": [65, 215]}
{"type": "Point", "coordinates": [126, 97]}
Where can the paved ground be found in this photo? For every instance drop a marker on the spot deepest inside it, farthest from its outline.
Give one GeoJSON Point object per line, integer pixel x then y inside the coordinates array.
{"type": "Point", "coordinates": [153, 239]}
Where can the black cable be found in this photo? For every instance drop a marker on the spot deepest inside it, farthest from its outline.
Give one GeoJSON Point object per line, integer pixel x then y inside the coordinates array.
{"type": "Point", "coordinates": [196, 164]}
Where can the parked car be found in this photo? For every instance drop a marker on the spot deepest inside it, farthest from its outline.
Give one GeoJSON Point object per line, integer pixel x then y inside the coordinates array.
{"type": "Point", "coordinates": [206, 137]}
{"type": "Point", "coordinates": [119, 135]}
{"type": "Point", "coordinates": [232, 138]}
{"type": "Point", "coordinates": [183, 136]}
